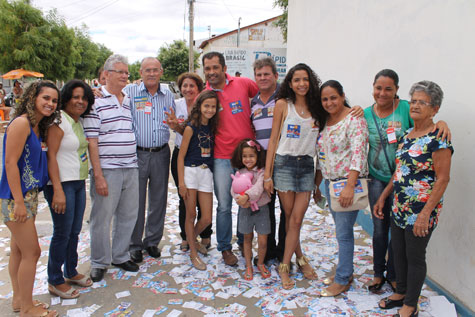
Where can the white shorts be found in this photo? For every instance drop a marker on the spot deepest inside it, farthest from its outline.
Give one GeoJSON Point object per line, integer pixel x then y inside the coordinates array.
{"type": "Point", "coordinates": [199, 178]}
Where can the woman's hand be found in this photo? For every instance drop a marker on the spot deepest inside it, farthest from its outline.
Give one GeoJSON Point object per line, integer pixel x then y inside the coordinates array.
{"type": "Point", "coordinates": [269, 187]}
{"type": "Point", "coordinates": [357, 111]}
{"type": "Point", "coordinates": [346, 196]}
{"type": "Point", "coordinates": [172, 120]}
{"type": "Point", "coordinates": [444, 131]}
{"type": "Point", "coordinates": [183, 192]}
{"type": "Point", "coordinates": [421, 226]}
{"type": "Point", "coordinates": [378, 209]}
{"type": "Point", "coordinates": [19, 212]}
{"type": "Point", "coordinates": [317, 195]}
{"type": "Point", "coordinates": [241, 200]}
{"type": "Point", "coordinates": [59, 202]}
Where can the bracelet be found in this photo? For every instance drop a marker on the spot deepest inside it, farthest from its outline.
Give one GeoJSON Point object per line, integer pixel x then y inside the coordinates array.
{"type": "Point", "coordinates": [268, 179]}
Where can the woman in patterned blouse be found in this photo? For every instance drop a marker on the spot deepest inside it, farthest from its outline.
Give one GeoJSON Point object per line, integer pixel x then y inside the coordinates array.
{"type": "Point", "coordinates": [342, 146]}
{"type": "Point", "coordinates": [421, 177]}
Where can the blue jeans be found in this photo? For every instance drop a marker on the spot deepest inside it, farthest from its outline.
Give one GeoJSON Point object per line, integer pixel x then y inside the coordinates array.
{"type": "Point", "coordinates": [381, 241]}
{"type": "Point", "coordinates": [66, 229]}
{"type": "Point", "coordinates": [344, 222]}
{"type": "Point", "coordinates": [222, 171]}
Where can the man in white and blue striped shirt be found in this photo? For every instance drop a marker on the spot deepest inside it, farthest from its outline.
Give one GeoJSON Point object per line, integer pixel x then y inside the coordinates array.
{"type": "Point", "coordinates": [114, 174]}
{"type": "Point", "coordinates": [148, 104]}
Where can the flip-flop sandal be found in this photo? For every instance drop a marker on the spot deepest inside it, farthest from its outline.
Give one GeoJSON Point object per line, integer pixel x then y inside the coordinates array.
{"type": "Point", "coordinates": [36, 303]}
{"type": "Point", "coordinates": [85, 281]}
{"type": "Point", "coordinates": [248, 275]}
{"type": "Point", "coordinates": [263, 270]}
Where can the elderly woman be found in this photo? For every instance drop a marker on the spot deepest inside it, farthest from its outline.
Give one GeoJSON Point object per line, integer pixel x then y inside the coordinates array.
{"type": "Point", "coordinates": [190, 86]}
{"type": "Point", "coordinates": [342, 146]}
{"type": "Point", "coordinates": [421, 177]}
{"type": "Point", "coordinates": [66, 193]}
{"type": "Point", "coordinates": [25, 173]}
{"type": "Point", "coordinates": [388, 118]}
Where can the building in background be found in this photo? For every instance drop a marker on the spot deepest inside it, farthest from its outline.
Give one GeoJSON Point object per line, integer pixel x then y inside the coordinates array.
{"type": "Point", "coordinates": [262, 39]}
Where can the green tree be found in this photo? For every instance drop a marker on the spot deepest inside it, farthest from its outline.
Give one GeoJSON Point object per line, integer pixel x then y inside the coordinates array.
{"type": "Point", "coordinates": [104, 53]}
{"type": "Point", "coordinates": [174, 59]}
{"type": "Point", "coordinates": [134, 71]}
{"type": "Point", "coordinates": [282, 22]}
{"type": "Point", "coordinates": [86, 66]}
{"type": "Point", "coordinates": [33, 41]}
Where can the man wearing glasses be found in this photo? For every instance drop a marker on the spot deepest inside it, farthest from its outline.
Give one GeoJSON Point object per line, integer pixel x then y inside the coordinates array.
{"type": "Point", "coordinates": [114, 173]}
{"type": "Point", "coordinates": [148, 104]}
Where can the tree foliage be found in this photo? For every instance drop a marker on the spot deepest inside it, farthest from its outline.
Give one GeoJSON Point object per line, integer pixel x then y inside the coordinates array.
{"type": "Point", "coordinates": [44, 43]}
{"type": "Point", "coordinates": [282, 22]}
{"type": "Point", "coordinates": [174, 59]}
{"type": "Point", "coordinates": [134, 71]}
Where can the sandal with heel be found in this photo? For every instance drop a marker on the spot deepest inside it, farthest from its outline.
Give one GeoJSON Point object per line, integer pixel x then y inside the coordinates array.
{"type": "Point", "coordinates": [198, 263]}
{"type": "Point", "coordinates": [306, 269]}
{"type": "Point", "coordinates": [289, 284]}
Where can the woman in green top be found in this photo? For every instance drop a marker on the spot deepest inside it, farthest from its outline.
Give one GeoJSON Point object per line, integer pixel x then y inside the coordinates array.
{"type": "Point", "coordinates": [388, 118]}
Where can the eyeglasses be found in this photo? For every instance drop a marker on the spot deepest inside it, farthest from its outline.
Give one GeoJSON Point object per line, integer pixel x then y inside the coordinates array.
{"type": "Point", "coordinates": [420, 102]}
{"type": "Point", "coordinates": [120, 72]}
{"type": "Point", "coordinates": [152, 70]}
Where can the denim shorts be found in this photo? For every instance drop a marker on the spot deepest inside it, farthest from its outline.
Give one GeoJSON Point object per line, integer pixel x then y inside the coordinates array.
{"type": "Point", "coordinates": [294, 173]}
{"type": "Point", "coordinates": [31, 204]}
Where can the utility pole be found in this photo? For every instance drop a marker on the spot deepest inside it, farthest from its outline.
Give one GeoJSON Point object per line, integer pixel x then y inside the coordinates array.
{"type": "Point", "coordinates": [191, 52]}
{"type": "Point", "coordinates": [239, 31]}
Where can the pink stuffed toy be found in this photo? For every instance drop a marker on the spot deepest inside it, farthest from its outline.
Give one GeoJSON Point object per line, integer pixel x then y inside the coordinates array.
{"type": "Point", "coordinates": [241, 183]}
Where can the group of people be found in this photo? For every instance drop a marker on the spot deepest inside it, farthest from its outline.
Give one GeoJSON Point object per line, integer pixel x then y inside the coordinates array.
{"type": "Point", "coordinates": [286, 138]}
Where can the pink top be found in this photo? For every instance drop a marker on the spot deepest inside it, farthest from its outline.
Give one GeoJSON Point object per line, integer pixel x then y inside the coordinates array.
{"type": "Point", "coordinates": [256, 192]}
{"type": "Point", "coordinates": [234, 114]}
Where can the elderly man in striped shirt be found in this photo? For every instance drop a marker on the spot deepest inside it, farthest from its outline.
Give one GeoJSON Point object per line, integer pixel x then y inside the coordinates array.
{"type": "Point", "coordinates": [149, 102]}
{"type": "Point", "coordinates": [114, 174]}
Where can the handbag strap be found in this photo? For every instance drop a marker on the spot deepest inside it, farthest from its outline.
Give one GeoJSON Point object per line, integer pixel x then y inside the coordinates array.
{"type": "Point", "coordinates": [381, 138]}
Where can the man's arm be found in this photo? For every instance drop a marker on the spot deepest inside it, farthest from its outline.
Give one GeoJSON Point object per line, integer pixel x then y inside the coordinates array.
{"type": "Point", "coordinates": [99, 180]}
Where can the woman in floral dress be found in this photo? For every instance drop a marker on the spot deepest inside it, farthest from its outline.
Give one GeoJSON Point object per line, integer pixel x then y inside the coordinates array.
{"type": "Point", "coordinates": [421, 177]}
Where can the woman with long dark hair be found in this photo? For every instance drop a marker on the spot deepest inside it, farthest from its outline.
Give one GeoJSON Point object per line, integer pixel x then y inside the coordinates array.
{"type": "Point", "coordinates": [298, 118]}
{"type": "Point", "coordinates": [24, 174]}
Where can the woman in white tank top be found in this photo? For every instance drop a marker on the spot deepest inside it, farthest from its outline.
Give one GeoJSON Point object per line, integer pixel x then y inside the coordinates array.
{"type": "Point", "coordinates": [298, 117]}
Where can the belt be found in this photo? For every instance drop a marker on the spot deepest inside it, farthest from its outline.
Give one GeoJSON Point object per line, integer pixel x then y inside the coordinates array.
{"type": "Point", "coordinates": [203, 166]}
{"type": "Point", "coordinates": [152, 149]}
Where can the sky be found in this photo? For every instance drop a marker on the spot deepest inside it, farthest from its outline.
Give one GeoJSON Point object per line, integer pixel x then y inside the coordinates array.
{"type": "Point", "coordinates": [138, 28]}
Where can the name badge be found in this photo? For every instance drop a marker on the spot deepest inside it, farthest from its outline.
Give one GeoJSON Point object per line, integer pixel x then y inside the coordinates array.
{"type": "Point", "coordinates": [293, 131]}
{"type": "Point", "coordinates": [44, 147]}
{"type": "Point", "coordinates": [391, 135]}
{"type": "Point", "coordinates": [148, 108]}
{"type": "Point", "coordinates": [140, 102]}
{"type": "Point", "coordinates": [236, 107]}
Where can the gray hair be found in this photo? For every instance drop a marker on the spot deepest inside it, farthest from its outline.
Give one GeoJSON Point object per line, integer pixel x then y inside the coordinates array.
{"type": "Point", "coordinates": [150, 58]}
{"type": "Point", "coordinates": [431, 89]}
{"type": "Point", "coordinates": [266, 61]}
{"type": "Point", "coordinates": [114, 59]}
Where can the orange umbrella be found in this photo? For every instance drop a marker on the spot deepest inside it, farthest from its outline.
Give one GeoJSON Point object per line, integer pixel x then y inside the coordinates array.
{"type": "Point", "coordinates": [19, 73]}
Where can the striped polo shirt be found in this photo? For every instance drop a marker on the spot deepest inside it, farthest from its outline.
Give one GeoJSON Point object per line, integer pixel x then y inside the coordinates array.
{"type": "Point", "coordinates": [262, 116]}
{"type": "Point", "coordinates": [148, 113]}
{"type": "Point", "coordinates": [111, 123]}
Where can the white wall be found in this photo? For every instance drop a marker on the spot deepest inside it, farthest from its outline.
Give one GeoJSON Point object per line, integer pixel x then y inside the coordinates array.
{"type": "Point", "coordinates": [420, 39]}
